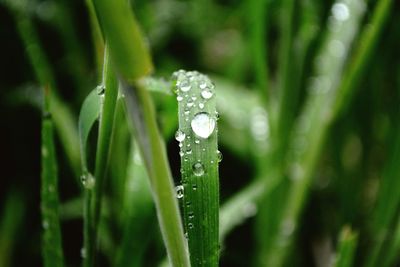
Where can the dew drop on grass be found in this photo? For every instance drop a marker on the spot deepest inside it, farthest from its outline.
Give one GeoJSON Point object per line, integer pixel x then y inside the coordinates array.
{"type": "Point", "coordinates": [191, 215]}
{"type": "Point", "coordinates": [203, 125]}
{"type": "Point", "coordinates": [198, 169]}
{"type": "Point", "coordinates": [45, 224]}
{"type": "Point", "coordinates": [179, 98]}
{"type": "Point", "coordinates": [197, 141]}
{"type": "Point", "coordinates": [206, 93]}
{"type": "Point", "coordinates": [181, 153]}
{"type": "Point", "coordinates": [340, 12]}
{"type": "Point", "coordinates": [88, 181]}
{"type": "Point", "coordinates": [190, 225]}
{"type": "Point", "coordinates": [179, 191]}
{"type": "Point", "coordinates": [185, 85]}
{"type": "Point", "coordinates": [201, 105]}
{"type": "Point", "coordinates": [194, 187]}
{"type": "Point", "coordinates": [83, 253]}
{"type": "Point", "coordinates": [219, 156]}
{"type": "Point", "coordinates": [180, 136]}
{"type": "Point", "coordinates": [188, 152]}
{"type": "Point", "coordinates": [100, 89]}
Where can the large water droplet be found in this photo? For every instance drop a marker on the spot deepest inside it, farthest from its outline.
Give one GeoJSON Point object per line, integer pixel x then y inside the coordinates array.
{"type": "Point", "coordinates": [179, 191]}
{"type": "Point", "coordinates": [340, 11]}
{"type": "Point", "coordinates": [203, 125]}
{"type": "Point", "coordinates": [180, 136]}
{"type": "Point", "coordinates": [198, 169]}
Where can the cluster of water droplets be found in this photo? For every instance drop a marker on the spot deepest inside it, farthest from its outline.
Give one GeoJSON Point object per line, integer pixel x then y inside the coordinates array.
{"type": "Point", "coordinates": [88, 181]}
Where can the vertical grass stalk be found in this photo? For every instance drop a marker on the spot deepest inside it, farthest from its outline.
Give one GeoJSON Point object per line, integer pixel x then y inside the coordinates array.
{"type": "Point", "coordinates": [52, 244]}
{"type": "Point", "coordinates": [347, 247]}
{"type": "Point", "coordinates": [197, 137]}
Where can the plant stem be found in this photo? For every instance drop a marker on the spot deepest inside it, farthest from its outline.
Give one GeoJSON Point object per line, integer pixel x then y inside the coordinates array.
{"type": "Point", "coordinates": [52, 244]}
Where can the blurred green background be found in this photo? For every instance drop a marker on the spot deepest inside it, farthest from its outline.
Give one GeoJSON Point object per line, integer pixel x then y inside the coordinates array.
{"type": "Point", "coordinates": [355, 181]}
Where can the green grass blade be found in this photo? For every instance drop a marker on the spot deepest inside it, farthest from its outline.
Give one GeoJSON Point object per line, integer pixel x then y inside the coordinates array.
{"type": "Point", "coordinates": [106, 124]}
{"type": "Point", "coordinates": [347, 247]}
{"type": "Point", "coordinates": [89, 114]}
{"type": "Point", "coordinates": [12, 217]}
{"type": "Point", "coordinates": [52, 244]}
{"type": "Point", "coordinates": [128, 51]}
{"type": "Point", "coordinates": [197, 137]}
{"type": "Point", "coordinates": [132, 61]}
{"type": "Point", "coordinates": [258, 25]}
{"type": "Point", "coordinates": [139, 214]}
{"type": "Point", "coordinates": [363, 52]}
{"type": "Point", "coordinates": [387, 205]}
{"type": "Point", "coordinates": [393, 251]}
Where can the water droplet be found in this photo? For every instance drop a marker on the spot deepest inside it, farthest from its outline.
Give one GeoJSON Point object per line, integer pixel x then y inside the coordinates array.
{"type": "Point", "coordinates": [190, 225]}
{"type": "Point", "coordinates": [203, 125]}
{"type": "Point", "coordinates": [181, 153]}
{"type": "Point", "coordinates": [45, 224]}
{"type": "Point", "coordinates": [188, 204]}
{"type": "Point", "coordinates": [197, 141]}
{"type": "Point", "coordinates": [219, 156]}
{"type": "Point", "coordinates": [340, 11]}
{"type": "Point", "coordinates": [100, 89]}
{"type": "Point", "coordinates": [194, 98]}
{"type": "Point", "coordinates": [337, 48]}
{"type": "Point", "coordinates": [83, 253]}
{"type": "Point", "coordinates": [88, 180]}
{"type": "Point", "coordinates": [179, 191]}
{"type": "Point", "coordinates": [190, 104]}
{"type": "Point", "coordinates": [179, 98]}
{"type": "Point", "coordinates": [190, 215]}
{"type": "Point", "coordinates": [198, 169]}
{"type": "Point", "coordinates": [194, 187]}
{"type": "Point", "coordinates": [259, 124]}
{"type": "Point", "coordinates": [45, 152]}
{"type": "Point", "coordinates": [184, 85]}
{"type": "Point", "coordinates": [287, 227]}
{"type": "Point", "coordinates": [203, 85]}
{"type": "Point", "coordinates": [188, 152]}
{"type": "Point", "coordinates": [180, 136]}
{"type": "Point", "coordinates": [201, 105]}
{"type": "Point", "coordinates": [206, 93]}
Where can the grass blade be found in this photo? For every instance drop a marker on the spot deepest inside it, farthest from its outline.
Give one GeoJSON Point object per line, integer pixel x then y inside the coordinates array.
{"type": "Point", "coordinates": [197, 136]}
{"type": "Point", "coordinates": [52, 246]}
{"type": "Point", "coordinates": [132, 62]}
{"type": "Point", "coordinates": [347, 247]}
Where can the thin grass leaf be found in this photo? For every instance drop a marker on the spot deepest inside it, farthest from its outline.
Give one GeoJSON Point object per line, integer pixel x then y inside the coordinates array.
{"type": "Point", "coordinates": [132, 62]}
{"type": "Point", "coordinates": [52, 244]}
{"type": "Point", "coordinates": [388, 201]}
{"type": "Point", "coordinates": [393, 250]}
{"type": "Point", "coordinates": [139, 214]}
{"type": "Point", "coordinates": [12, 217]}
{"type": "Point", "coordinates": [197, 137]}
{"type": "Point", "coordinates": [347, 247]}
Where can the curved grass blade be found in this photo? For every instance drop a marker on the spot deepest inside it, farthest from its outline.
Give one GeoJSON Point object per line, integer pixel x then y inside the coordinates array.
{"type": "Point", "coordinates": [132, 61]}
{"type": "Point", "coordinates": [52, 244]}
{"type": "Point", "coordinates": [139, 214]}
{"type": "Point", "coordinates": [88, 116]}
{"type": "Point", "coordinates": [197, 137]}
